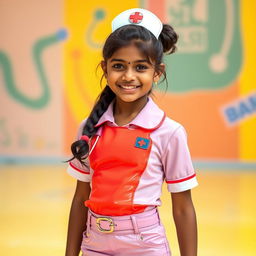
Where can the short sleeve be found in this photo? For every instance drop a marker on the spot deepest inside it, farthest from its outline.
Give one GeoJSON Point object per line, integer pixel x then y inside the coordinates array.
{"type": "Point", "coordinates": [76, 169]}
{"type": "Point", "coordinates": [178, 168]}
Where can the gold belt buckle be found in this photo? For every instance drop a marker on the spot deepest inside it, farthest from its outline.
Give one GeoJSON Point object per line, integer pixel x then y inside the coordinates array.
{"type": "Point", "coordinates": [111, 224]}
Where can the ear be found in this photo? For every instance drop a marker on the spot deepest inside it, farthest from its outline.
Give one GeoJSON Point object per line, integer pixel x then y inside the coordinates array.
{"type": "Point", "coordinates": [159, 72]}
{"type": "Point", "coordinates": [103, 65]}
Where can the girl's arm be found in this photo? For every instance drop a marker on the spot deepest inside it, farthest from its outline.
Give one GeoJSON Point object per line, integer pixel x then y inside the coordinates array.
{"type": "Point", "coordinates": [185, 222]}
{"type": "Point", "coordinates": [77, 219]}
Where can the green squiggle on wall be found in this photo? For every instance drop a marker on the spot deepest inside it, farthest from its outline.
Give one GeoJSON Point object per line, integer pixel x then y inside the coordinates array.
{"type": "Point", "coordinates": [99, 15]}
{"type": "Point", "coordinates": [38, 49]}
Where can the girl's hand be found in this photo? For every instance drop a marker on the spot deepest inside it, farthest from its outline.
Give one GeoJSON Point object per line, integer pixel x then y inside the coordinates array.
{"type": "Point", "coordinates": [77, 219]}
{"type": "Point", "coordinates": [185, 222]}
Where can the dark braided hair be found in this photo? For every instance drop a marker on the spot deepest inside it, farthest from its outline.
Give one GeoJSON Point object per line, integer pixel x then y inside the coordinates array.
{"type": "Point", "coordinates": [153, 50]}
{"type": "Point", "coordinates": [80, 148]}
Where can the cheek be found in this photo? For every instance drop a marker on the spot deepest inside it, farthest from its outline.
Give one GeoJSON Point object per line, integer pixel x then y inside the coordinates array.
{"type": "Point", "coordinates": [110, 79]}
{"type": "Point", "coordinates": [113, 77]}
{"type": "Point", "coordinates": [149, 78]}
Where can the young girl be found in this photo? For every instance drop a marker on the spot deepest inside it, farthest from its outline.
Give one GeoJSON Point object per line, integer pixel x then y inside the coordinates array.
{"type": "Point", "coordinates": [126, 149]}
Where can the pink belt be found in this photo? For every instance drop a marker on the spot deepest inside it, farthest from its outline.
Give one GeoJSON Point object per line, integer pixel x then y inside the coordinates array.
{"type": "Point", "coordinates": [129, 223]}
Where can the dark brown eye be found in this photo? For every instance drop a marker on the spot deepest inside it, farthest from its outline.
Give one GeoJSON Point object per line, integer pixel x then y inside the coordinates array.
{"type": "Point", "coordinates": [118, 66]}
{"type": "Point", "coordinates": [141, 67]}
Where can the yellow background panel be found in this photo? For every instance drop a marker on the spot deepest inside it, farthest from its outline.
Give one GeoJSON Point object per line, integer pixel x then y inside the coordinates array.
{"type": "Point", "coordinates": [248, 78]}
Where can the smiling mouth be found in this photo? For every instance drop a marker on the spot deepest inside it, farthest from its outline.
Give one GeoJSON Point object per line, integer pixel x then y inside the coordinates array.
{"type": "Point", "coordinates": [129, 87]}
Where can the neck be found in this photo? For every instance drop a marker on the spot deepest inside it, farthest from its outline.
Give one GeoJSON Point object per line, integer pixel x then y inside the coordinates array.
{"type": "Point", "coordinates": [125, 112]}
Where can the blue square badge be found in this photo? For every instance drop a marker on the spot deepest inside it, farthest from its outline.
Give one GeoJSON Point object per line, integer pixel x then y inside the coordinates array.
{"type": "Point", "coordinates": [142, 143]}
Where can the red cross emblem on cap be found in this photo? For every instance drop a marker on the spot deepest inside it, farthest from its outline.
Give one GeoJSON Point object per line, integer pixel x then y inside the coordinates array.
{"type": "Point", "coordinates": [136, 17]}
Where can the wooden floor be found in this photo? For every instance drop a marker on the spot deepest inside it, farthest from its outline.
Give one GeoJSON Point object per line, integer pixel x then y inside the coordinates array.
{"type": "Point", "coordinates": [35, 204]}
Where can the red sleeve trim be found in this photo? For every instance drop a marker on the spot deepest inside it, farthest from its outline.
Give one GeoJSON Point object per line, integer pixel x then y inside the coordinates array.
{"type": "Point", "coordinates": [74, 167]}
{"type": "Point", "coordinates": [181, 180]}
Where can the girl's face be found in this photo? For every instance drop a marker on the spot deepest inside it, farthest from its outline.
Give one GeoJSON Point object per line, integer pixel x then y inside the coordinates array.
{"type": "Point", "coordinates": [129, 75]}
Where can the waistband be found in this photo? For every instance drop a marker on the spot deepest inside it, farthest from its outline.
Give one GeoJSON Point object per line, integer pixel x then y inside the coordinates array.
{"type": "Point", "coordinates": [127, 224]}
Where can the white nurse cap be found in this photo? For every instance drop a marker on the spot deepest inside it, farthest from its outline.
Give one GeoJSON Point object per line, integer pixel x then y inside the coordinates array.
{"type": "Point", "coordinates": [141, 17]}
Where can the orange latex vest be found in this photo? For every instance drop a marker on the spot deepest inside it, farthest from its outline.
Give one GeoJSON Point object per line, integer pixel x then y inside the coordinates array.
{"type": "Point", "coordinates": [118, 159]}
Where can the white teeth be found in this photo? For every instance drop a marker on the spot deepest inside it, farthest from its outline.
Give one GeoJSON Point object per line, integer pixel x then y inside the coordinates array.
{"type": "Point", "coordinates": [128, 87]}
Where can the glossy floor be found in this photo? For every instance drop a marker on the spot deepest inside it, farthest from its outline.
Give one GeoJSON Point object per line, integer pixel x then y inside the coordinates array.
{"type": "Point", "coordinates": [35, 203]}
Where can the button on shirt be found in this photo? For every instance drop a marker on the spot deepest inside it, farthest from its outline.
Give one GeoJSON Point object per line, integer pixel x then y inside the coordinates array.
{"type": "Point", "coordinates": [169, 158]}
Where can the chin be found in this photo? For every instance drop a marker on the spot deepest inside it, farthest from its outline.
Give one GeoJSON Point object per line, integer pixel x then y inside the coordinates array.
{"type": "Point", "coordinates": [128, 99]}
{"type": "Point", "coordinates": [132, 99]}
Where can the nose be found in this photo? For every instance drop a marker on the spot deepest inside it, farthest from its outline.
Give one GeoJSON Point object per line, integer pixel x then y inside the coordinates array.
{"type": "Point", "coordinates": [128, 75]}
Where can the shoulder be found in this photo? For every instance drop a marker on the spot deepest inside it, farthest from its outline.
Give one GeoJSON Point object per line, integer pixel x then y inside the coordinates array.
{"type": "Point", "coordinates": [169, 135]}
{"type": "Point", "coordinates": [170, 127]}
{"type": "Point", "coordinates": [171, 124]}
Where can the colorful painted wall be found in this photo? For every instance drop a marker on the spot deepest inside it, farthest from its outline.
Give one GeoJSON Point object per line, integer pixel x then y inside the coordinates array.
{"type": "Point", "coordinates": [49, 52]}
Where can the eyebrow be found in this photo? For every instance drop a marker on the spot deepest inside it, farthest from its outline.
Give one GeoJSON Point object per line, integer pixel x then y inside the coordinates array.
{"type": "Point", "coordinates": [136, 61]}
